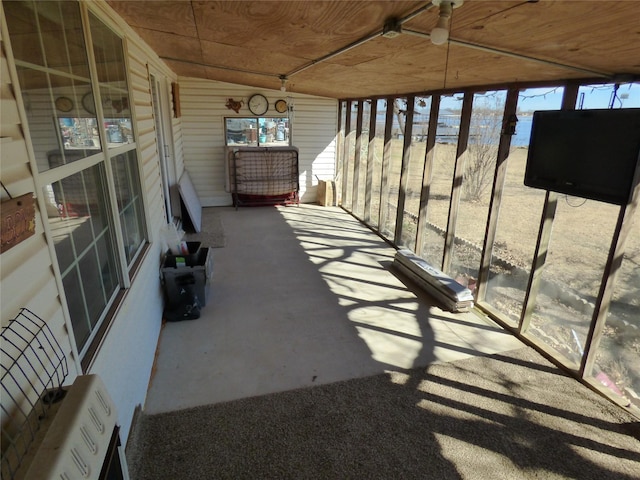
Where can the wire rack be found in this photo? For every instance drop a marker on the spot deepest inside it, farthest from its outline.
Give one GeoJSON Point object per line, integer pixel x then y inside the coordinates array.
{"type": "Point", "coordinates": [265, 176]}
{"type": "Point", "coordinates": [34, 368]}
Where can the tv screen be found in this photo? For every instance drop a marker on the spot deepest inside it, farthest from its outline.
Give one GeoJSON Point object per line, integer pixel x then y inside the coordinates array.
{"type": "Point", "coordinates": [585, 153]}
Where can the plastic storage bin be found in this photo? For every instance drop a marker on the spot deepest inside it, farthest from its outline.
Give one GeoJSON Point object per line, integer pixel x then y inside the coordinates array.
{"type": "Point", "coordinates": [191, 258]}
{"type": "Point", "coordinates": [182, 281]}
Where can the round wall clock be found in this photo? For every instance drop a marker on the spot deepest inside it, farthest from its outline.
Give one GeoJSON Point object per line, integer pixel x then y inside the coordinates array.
{"type": "Point", "coordinates": [64, 104]}
{"type": "Point", "coordinates": [281, 106]}
{"type": "Point", "coordinates": [258, 104]}
{"type": "Point", "coordinates": [88, 103]}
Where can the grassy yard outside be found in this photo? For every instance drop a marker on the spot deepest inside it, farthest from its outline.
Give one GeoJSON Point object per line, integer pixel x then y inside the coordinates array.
{"type": "Point", "coordinates": [572, 275]}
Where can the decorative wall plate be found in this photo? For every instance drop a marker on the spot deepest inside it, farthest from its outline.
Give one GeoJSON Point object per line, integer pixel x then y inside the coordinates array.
{"type": "Point", "coordinates": [281, 106]}
{"type": "Point", "coordinates": [64, 104]}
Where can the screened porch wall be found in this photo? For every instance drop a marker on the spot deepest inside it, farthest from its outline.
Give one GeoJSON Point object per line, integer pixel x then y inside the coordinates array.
{"type": "Point", "coordinates": [449, 186]}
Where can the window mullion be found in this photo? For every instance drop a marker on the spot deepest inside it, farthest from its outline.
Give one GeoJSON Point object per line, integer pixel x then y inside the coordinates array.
{"type": "Point", "coordinates": [357, 139]}
{"type": "Point", "coordinates": [373, 112]}
{"type": "Point", "coordinates": [427, 175]}
{"type": "Point", "coordinates": [55, 174]}
{"type": "Point", "coordinates": [404, 172]}
{"type": "Point", "coordinates": [51, 71]}
{"type": "Point", "coordinates": [345, 154]}
{"type": "Point", "coordinates": [456, 188]}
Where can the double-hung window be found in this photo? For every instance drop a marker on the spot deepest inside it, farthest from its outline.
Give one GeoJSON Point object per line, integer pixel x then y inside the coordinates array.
{"type": "Point", "coordinates": [72, 76]}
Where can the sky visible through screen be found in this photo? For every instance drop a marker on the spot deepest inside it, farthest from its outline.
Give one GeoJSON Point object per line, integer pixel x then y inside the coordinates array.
{"type": "Point", "coordinates": [597, 96]}
{"type": "Point", "coordinates": [529, 101]}
{"type": "Point", "coordinates": [533, 99]}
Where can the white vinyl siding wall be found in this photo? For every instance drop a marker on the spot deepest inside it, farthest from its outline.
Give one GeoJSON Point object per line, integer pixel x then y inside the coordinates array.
{"type": "Point", "coordinates": [313, 131]}
{"type": "Point", "coordinates": [125, 358]}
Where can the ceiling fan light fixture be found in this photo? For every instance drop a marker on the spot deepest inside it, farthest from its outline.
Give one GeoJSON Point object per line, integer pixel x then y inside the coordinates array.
{"type": "Point", "coordinates": [440, 33]}
{"type": "Point", "coordinates": [283, 83]}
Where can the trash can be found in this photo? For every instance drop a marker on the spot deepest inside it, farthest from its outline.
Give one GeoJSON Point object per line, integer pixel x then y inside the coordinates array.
{"type": "Point", "coordinates": [185, 304]}
{"type": "Point", "coordinates": [185, 280]}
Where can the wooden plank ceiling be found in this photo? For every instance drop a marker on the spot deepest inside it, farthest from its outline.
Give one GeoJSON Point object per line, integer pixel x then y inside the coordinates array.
{"type": "Point", "coordinates": [491, 43]}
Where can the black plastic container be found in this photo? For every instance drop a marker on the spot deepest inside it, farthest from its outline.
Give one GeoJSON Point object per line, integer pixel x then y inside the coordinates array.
{"type": "Point", "coordinates": [187, 283]}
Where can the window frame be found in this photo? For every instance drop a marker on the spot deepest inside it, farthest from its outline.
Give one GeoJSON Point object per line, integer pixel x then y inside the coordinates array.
{"type": "Point", "coordinates": [257, 121]}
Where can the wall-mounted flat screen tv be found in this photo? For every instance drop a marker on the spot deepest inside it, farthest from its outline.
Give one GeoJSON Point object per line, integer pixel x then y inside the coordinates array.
{"type": "Point", "coordinates": [585, 153]}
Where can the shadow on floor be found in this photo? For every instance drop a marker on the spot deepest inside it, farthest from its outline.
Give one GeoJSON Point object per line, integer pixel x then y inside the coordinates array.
{"type": "Point", "coordinates": [503, 417]}
{"type": "Point", "coordinates": [312, 360]}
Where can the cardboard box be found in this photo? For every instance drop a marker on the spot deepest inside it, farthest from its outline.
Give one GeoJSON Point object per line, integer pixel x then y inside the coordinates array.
{"type": "Point", "coordinates": [326, 193]}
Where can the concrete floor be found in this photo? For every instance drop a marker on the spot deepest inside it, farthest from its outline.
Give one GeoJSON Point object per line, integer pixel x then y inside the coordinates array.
{"type": "Point", "coordinates": [303, 296]}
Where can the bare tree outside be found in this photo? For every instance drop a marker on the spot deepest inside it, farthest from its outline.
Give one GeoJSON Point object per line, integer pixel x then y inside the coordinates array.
{"type": "Point", "coordinates": [484, 137]}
